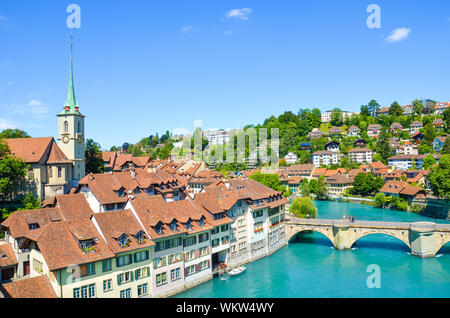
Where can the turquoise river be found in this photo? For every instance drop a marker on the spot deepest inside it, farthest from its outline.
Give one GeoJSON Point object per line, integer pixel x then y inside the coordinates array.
{"type": "Point", "coordinates": [311, 267]}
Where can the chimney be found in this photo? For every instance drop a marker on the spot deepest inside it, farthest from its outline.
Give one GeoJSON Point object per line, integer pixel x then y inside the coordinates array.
{"type": "Point", "coordinates": [91, 177]}
{"type": "Point", "coordinates": [133, 173]}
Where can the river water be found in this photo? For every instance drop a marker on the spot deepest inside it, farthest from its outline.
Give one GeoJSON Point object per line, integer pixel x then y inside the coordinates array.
{"type": "Point", "coordinates": [311, 267]}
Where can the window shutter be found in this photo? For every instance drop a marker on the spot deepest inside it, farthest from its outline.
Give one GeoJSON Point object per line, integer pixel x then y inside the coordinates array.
{"type": "Point", "coordinates": [197, 267]}
{"type": "Point", "coordinates": [83, 270]}
{"type": "Point", "coordinates": [195, 239]}
{"type": "Point", "coordinates": [197, 253]}
{"type": "Point", "coordinates": [135, 274]}
{"type": "Point", "coordinates": [130, 257]}
{"type": "Point", "coordinates": [132, 276]}
{"type": "Point", "coordinates": [184, 242]}
{"type": "Point", "coordinates": [208, 263]}
{"type": "Point", "coordinates": [207, 250]}
{"type": "Point", "coordinates": [148, 271]}
{"type": "Point", "coordinates": [207, 236]}
{"type": "Point", "coordinates": [185, 272]}
{"type": "Point", "coordinates": [117, 262]}
{"type": "Point", "coordinates": [147, 255]}
{"type": "Point", "coordinates": [119, 281]}
{"type": "Point", "coordinates": [135, 257]}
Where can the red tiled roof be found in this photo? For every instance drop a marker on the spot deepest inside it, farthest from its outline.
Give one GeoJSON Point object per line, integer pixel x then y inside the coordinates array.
{"type": "Point", "coordinates": [30, 150]}
{"type": "Point", "coordinates": [7, 256]}
{"type": "Point", "coordinates": [36, 287]}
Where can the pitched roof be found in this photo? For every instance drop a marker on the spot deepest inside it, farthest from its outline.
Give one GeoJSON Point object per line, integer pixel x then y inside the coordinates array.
{"type": "Point", "coordinates": [339, 179]}
{"type": "Point", "coordinates": [59, 244]}
{"type": "Point", "coordinates": [36, 287]}
{"type": "Point", "coordinates": [57, 155]}
{"type": "Point", "coordinates": [401, 187]}
{"type": "Point", "coordinates": [7, 256]}
{"type": "Point", "coordinates": [30, 150]}
{"type": "Point", "coordinates": [116, 223]}
{"type": "Point", "coordinates": [73, 206]}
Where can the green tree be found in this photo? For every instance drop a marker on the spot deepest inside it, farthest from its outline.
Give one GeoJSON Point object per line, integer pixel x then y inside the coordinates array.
{"type": "Point", "coordinates": [382, 146]}
{"type": "Point", "coordinates": [425, 148]}
{"type": "Point", "coordinates": [12, 172]}
{"type": "Point", "coordinates": [305, 189]}
{"type": "Point", "coordinates": [319, 187]}
{"type": "Point", "coordinates": [365, 111]}
{"type": "Point", "coordinates": [428, 162]}
{"type": "Point", "coordinates": [380, 200]}
{"type": "Point", "coordinates": [446, 148]}
{"type": "Point", "coordinates": [396, 110]}
{"type": "Point", "coordinates": [30, 202]}
{"type": "Point", "coordinates": [94, 160]}
{"type": "Point", "coordinates": [337, 119]}
{"type": "Point", "coordinates": [439, 178]}
{"type": "Point", "coordinates": [429, 133]}
{"type": "Point", "coordinates": [373, 107]}
{"type": "Point", "coordinates": [303, 207]}
{"type": "Point", "coordinates": [418, 107]}
{"type": "Point", "coordinates": [13, 133]}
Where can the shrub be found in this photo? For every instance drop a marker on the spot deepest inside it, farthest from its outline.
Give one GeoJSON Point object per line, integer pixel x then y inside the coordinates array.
{"type": "Point", "coordinates": [302, 207]}
{"type": "Point", "coordinates": [380, 200]}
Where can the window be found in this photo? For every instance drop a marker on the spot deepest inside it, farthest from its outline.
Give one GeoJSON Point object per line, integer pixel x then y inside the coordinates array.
{"type": "Point", "coordinates": [204, 265]}
{"type": "Point", "coordinates": [33, 226]}
{"type": "Point", "coordinates": [215, 242]}
{"type": "Point", "coordinates": [87, 291]}
{"type": "Point", "coordinates": [79, 127]}
{"type": "Point", "coordinates": [224, 228]}
{"type": "Point", "coordinates": [225, 240]}
{"type": "Point", "coordinates": [107, 285]}
{"type": "Point", "coordinates": [202, 221]}
{"type": "Point", "coordinates": [161, 279]}
{"type": "Point", "coordinates": [90, 268]}
{"type": "Point", "coordinates": [174, 258]}
{"type": "Point", "coordinates": [190, 241]}
{"type": "Point", "coordinates": [66, 126]}
{"type": "Point", "coordinates": [203, 237]}
{"type": "Point", "coordinates": [173, 225]}
{"type": "Point", "coordinates": [141, 272]}
{"type": "Point", "coordinates": [140, 237]}
{"type": "Point", "coordinates": [126, 293]}
{"type": "Point", "coordinates": [59, 172]}
{"type": "Point", "coordinates": [141, 256]}
{"type": "Point", "coordinates": [203, 251]}
{"type": "Point", "coordinates": [257, 214]}
{"type": "Point", "coordinates": [37, 265]}
{"type": "Point", "coordinates": [215, 230]}
{"type": "Point", "coordinates": [125, 277]}
{"type": "Point", "coordinates": [190, 270]}
{"type": "Point", "coordinates": [106, 265]}
{"type": "Point", "coordinates": [189, 224]}
{"type": "Point", "coordinates": [142, 289]}
{"type": "Point", "coordinates": [124, 260]}
{"type": "Point", "coordinates": [175, 274]}
{"type": "Point", "coordinates": [50, 172]}
{"type": "Point", "coordinates": [30, 175]}
{"type": "Point", "coordinates": [159, 262]}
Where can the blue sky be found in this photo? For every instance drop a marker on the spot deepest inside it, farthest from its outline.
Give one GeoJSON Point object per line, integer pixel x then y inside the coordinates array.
{"type": "Point", "coordinates": [142, 67]}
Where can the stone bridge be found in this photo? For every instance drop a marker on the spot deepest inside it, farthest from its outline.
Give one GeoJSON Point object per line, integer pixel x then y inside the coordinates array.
{"type": "Point", "coordinates": [424, 239]}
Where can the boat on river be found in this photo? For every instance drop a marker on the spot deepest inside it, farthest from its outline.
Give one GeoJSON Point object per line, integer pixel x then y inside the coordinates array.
{"type": "Point", "coordinates": [237, 271]}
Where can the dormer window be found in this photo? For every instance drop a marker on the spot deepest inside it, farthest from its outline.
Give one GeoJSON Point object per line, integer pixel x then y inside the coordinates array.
{"type": "Point", "coordinates": [189, 224]}
{"type": "Point", "coordinates": [158, 228]}
{"type": "Point", "coordinates": [140, 237]}
{"type": "Point", "coordinates": [202, 221]}
{"type": "Point", "coordinates": [173, 225]}
{"type": "Point", "coordinates": [33, 226]}
{"type": "Point", "coordinates": [121, 192]}
{"type": "Point", "coordinates": [87, 246]}
{"type": "Point", "coordinates": [123, 240]}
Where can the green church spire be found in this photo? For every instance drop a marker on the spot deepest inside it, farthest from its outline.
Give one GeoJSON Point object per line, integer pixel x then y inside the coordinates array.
{"type": "Point", "coordinates": [71, 105]}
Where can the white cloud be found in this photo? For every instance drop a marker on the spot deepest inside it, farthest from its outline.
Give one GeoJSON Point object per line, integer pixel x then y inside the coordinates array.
{"type": "Point", "coordinates": [39, 109]}
{"type": "Point", "coordinates": [6, 124]}
{"type": "Point", "coordinates": [398, 35]}
{"type": "Point", "coordinates": [228, 32]}
{"type": "Point", "coordinates": [34, 102]}
{"type": "Point", "coordinates": [241, 14]}
{"type": "Point", "coordinates": [187, 29]}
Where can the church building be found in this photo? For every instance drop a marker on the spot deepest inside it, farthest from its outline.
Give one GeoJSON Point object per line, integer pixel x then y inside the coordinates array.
{"type": "Point", "coordinates": [55, 166]}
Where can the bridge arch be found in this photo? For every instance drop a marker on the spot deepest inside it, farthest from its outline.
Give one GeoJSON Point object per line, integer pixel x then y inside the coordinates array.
{"type": "Point", "coordinates": [442, 244]}
{"type": "Point", "coordinates": [297, 229]}
{"type": "Point", "coordinates": [401, 237]}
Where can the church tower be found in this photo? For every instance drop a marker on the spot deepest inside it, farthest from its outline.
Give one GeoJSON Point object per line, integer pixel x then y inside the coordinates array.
{"type": "Point", "coordinates": [71, 130]}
